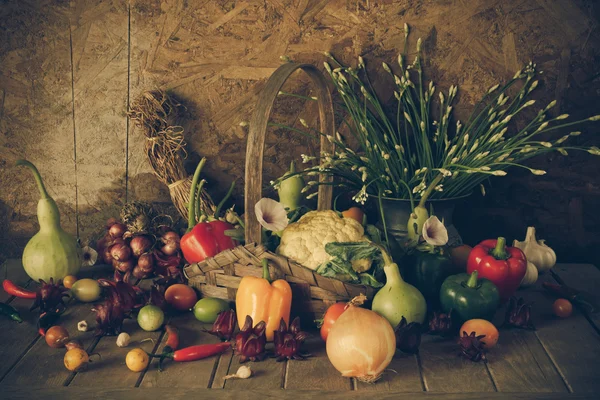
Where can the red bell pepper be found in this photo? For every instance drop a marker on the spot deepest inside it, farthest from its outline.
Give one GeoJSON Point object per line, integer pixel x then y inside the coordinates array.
{"type": "Point", "coordinates": [504, 266]}
{"type": "Point", "coordinates": [205, 239]}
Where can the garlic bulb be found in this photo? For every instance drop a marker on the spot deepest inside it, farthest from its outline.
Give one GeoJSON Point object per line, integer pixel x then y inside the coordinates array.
{"type": "Point", "coordinates": [536, 251]}
{"type": "Point", "coordinates": [123, 339]}
{"type": "Point", "coordinates": [82, 326]}
{"type": "Point", "coordinates": [531, 275]}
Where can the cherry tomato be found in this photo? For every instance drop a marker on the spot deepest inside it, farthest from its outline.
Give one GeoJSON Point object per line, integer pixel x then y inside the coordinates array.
{"type": "Point", "coordinates": [69, 280]}
{"type": "Point", "coordinates": [354, 213]}
{"type": "Point", "coordinates": [562, 308]}
{"type": "Point", "coordinates": [57, 336]}
{"type": "Point", "coordinates": [332, 314]}
{"type": "Point", "coordinates": [181, 297]}
{"type": "Point", "coordinates": [481, 327]}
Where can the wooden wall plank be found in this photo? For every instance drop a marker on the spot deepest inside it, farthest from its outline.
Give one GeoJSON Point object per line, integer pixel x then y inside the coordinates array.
{"type": "Point", "coordinates": [100, 54]}
{"type": "Point", "coordinates": [35, 116]}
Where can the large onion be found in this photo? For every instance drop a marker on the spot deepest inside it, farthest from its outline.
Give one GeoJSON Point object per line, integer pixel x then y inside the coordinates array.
{"type": "Point", "coordinates": [361, 344]}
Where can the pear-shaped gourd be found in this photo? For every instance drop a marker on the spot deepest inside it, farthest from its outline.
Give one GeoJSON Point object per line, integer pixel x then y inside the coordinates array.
{"type": "Point", "coordinates": [290, 189]}
{"type": "Point", "coordinates": [52, 252]}
{"type": "Point", "coordinates": [397, 299]}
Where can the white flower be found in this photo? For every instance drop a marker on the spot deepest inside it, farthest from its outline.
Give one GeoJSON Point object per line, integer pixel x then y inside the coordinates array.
{"type": "Point", "coordinates": [434, 232]}
{"type": "Point", "coordinates": [271, 214]}
{"type": "Point", "coordinates": [538, 171]}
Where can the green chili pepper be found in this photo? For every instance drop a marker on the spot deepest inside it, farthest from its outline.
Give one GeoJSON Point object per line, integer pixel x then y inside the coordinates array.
{"type": "Point", "coordinates": [469, 297]}
{"type": "Point", "coordinates": [10, 311]}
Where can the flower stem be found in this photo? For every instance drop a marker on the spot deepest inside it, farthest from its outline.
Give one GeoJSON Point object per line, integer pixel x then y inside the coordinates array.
{"type": "Point", "coordinates": [429, 189]}
{"type": "Point", "coordinates": [192, 201]}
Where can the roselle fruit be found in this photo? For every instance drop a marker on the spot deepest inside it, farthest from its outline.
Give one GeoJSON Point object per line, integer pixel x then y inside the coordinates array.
{"type": "Point", "coordinates": [518, 314]}
{"type": "Point", "coordinates": [471, 347]}
{"type": "Point", "coordinates": [287, 342]}
{"type": "Point", "coordinates": [50, 296]}
{"type": "Point", "coordinates": [250, 342]}
{"type": "Point", "coordinates": [224, 325]}
{"type": "Point", "coordinates": [441, 323]}
{"type": "Point", "coordinates": [408, 336]}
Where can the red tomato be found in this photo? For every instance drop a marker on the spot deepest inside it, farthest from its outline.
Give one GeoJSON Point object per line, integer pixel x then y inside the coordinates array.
{"type": "Point", "coordinates": [181, 297]}
{"type": "Point", "coordinates": [562, 308]}
{"type": "Point", "coordinates": [355, 213]}
{"type": "Point", "coordinates": [332, 314]}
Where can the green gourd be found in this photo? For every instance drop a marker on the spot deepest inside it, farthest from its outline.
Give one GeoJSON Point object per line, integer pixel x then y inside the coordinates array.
{"type": "Point", "coordinates": [397, 299]}
{"type": "Point", "coordinates": [52, 252]}
{"type": "Point", "coordinates": [290, 189]}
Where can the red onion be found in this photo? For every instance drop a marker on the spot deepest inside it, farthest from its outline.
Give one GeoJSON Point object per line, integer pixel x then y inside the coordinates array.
{"type": "Point", "coordinates": [106, 256]}
{"type": "Point", "coordinates": [170, 248]}
{"type": "Point", "coordinates": [124, 266]}
{"type": "Point", "coordinates": [117, 230]}
{"type": "Point", "coordinates": [170, 236]}
{"type": "Point", "coordinates": [140, 245]}
{"type": "Point", "coordinates": [139, 273]}
{"type": "Point", "coordinates": [120, 252]}
{"type": "Point", "coordinates": [110, 222]}
{"type": "Point", "coordinates": [146, 262]}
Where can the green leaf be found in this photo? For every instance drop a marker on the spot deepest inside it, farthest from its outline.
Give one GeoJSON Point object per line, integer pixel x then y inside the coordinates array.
{"type": "Point", "coordinates": [369, 280]}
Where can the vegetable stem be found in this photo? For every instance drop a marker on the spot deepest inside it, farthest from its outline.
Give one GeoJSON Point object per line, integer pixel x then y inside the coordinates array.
{"type": "Point", "coordinates": [36, 175]}
{"type": "Point", "coordinates": [472, 282]}
{"type": "Point", "coordinates": [225, 198]}
{"type": "Point", "coordinates": [192, 201]}
{"type": "Point", "coordinates": [265, 266]}
{"type": "Point", "coordinates": [499, 252]}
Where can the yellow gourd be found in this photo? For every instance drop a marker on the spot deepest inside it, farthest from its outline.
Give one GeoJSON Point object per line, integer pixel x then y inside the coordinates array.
{"type": "Point", "coordinates": [52, 252]}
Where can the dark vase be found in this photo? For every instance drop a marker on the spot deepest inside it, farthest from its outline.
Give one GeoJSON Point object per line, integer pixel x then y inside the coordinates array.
{"type": "Point", "coordinates": [397, 211]}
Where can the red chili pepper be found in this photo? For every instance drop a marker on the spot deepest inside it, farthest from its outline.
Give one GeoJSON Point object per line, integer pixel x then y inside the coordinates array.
{"type": "Point", "coordinates": [172, 339]}
{"type": "Point", "coordinates": [192, 353]}
{"type": "Point", "coordinates": [504, 266]}
{"type": "Point", "coordinates": [205, 239]}
{"type": "Point", "coordinates": [17, 291]}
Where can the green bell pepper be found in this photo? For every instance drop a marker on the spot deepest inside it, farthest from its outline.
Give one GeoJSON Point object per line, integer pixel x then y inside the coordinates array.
{"type": "Point", "coordinates": [427, 271]}
{"type": "Point", "coordinates": [469, 297]}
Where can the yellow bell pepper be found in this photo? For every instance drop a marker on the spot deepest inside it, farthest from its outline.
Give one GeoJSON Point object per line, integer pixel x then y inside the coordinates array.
{"type": "Point", "coordinates": [264, 301]}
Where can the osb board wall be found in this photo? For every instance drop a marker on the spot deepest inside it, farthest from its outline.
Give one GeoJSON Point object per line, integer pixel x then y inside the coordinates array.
{"type": "Point", "coordinates": [69, 70]}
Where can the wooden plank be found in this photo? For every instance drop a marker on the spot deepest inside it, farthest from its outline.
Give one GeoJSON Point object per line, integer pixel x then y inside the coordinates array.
{"type": "Point", "coordinates": [18, 393]}
{"type": "Point", "coordinates": [572, 343]}
{"type": "Point", "coordinates": [196, 374]}
{"type": "Point", "coordinates": [315, 372]}
{"type": "Point", "coordinates": [266, 375]}
{"type": "Point", "coordinates": [41, 364]}
{"type": "Point", "coordinates": [20, 336]}
{"type": "Point", "coordinates": [100, 52]}
{"type": "Point", "coordinates": [402, 375]}
{"type": "Point", "coordinates": [519, 363]}
{"type": "Point", "coordinates": [444, 371]}
{"type": "Point", "coordinates": [35, 116]}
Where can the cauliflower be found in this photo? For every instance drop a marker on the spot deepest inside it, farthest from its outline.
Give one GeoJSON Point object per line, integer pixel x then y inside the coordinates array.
{"type": "Point", "coordinates": [304, 241]}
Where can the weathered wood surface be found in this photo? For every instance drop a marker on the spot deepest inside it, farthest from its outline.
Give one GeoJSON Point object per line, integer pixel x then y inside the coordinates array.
{"type": "Point", "coordinates": [559, 359]}
{"type": "Point", "coordinates": [69, 69]}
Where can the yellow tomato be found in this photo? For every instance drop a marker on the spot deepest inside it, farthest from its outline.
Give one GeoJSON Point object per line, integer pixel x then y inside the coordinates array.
{"type": "Point", "coordinates": [69, 281]}
{"type": "Point", "coordinates": [137, 360]}
{"type": "Point", "coordinates": [481, 327]}
{"type": "Point", "coordinates": [76, 359]}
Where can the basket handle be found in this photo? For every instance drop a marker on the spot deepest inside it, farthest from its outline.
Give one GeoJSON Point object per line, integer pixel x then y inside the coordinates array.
{"type": "Point", "coordinates": [258, 132]}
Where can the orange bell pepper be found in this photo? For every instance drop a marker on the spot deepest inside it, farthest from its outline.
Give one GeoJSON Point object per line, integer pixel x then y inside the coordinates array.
{"type": "Point", "coordinates": [264, 301]}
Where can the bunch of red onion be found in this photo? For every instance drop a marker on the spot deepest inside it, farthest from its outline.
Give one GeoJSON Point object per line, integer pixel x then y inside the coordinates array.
{"type": "Point", "coordinates": [139, 256]}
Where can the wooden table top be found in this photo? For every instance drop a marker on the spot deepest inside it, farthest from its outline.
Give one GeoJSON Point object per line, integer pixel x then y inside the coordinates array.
{"type": "Point", "coordinates": [561, 359]}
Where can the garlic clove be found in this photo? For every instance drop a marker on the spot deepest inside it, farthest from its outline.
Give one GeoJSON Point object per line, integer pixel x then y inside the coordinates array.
{"type": "Point", "coordinates": [82, 326]}
{"type": "Point", "coordinates": [531, 275]}
{"type": "Point", "coordinates": [123, 339]}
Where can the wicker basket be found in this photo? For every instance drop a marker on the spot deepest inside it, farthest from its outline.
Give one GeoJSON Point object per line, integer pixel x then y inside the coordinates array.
{"type": "Point", "coordinates": [220, 276]}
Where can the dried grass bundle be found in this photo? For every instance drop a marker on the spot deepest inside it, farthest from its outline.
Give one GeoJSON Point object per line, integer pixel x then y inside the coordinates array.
{"type": "Point", "coordinates": [155, 112]}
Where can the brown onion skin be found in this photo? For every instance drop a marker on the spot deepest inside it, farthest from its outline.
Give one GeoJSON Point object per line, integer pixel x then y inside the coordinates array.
{"type": "Point", "coordinates": [140, 245]}
{"type": "Point", "coordinates": [124, 266]}
{"type": "Point", "coordinates": [110, 222]}
{"type": "Point", "coordinates": [120, 252]}
{"type": "Point", "coordinates": [106, 256]}
{"type": "Point", "coordinates": [117, 230]}
{"type": "Point", "coordinates": [57, 336]}
{"type": "Point", "coordinates": [170, 236]}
